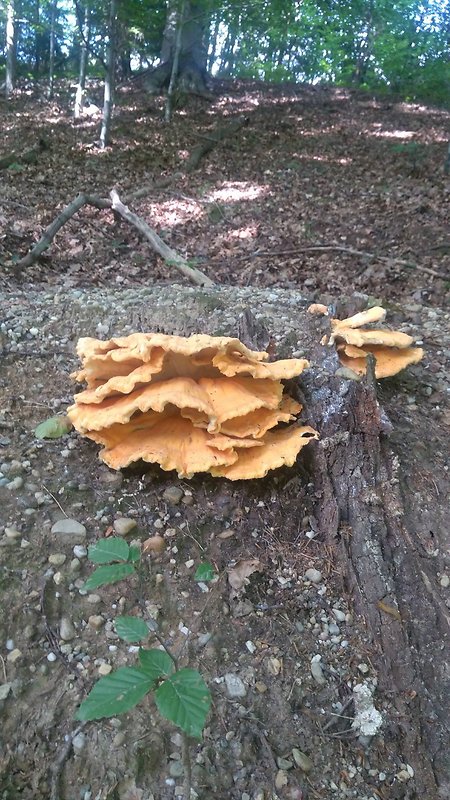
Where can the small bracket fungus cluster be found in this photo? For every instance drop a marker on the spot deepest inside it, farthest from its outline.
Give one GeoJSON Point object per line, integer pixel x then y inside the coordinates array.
{"type": "Point", "coordinates": [392, 350]}
{"type": "Point", "coordinates": [195, 404]}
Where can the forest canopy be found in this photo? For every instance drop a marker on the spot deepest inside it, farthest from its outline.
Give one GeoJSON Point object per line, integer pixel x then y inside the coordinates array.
{"type": "Point", "coordinates": [399, 46]}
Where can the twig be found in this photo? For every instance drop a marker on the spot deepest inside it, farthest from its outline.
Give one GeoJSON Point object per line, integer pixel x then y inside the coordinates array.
{"type": "Point", "coordinates": [169, 255]}
{"type": "Point", "coordinates": [56, 501]}
{"type": "Point", "coordinates": [351, 251]}
{"type": "Point", "coordinates": [58, 764]}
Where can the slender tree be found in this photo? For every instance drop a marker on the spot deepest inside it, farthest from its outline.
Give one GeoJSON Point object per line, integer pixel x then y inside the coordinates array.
{"type": "Point", "coordinates": [10, 48]}
{"type": "Point", "coordinates": [85, 34]}
{"type": "Point", "coordinates": [51, 61]}
{"type": "Point", "coordinates": [108, 101]}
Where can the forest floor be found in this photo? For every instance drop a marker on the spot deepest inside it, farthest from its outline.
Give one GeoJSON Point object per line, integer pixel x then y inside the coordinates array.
{"type": "Point", "coordinates": [313, 167]}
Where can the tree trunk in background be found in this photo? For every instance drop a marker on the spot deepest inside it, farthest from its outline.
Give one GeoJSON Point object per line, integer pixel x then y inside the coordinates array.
{"type": "Point", "coordinates": [51, 75]}
{"type": "Point", "coordinates": [108, 102]}
{"type": "Point", "coordinates": [175, 63]}
{"type": "Point", "coordinates": [191, 71]}
{"type": "Point", "coordinates": [37, 40]}
{"type": "Point", "coordinates": [85, 30]}
{"type": "Point", "coordinates": [10, 48]}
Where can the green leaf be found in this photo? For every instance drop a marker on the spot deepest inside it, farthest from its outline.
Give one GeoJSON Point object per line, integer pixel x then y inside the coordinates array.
{"type": "Point", "coordinates": [131, 629]}
{"type": "Point", "coordinates": [115, 694]}
{"type": "Point", "coordinates": [134, 554]}
{"type": "Point", "coordinates": [108, 574]}
{"type": "Point", "coordinates": [185, 700]}
{"type": "Point", "coordinates": [204, 572]}
{"type": "Point", "coordinates": [111, 549]}
{"type": "Point", "coordinates": [53, 428]}
{"type": "Point", "coordinates": [156, 663]}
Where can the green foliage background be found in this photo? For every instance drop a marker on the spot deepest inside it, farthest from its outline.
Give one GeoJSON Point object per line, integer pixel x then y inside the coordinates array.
{"type": "Point", "coordinates": [400, 46]}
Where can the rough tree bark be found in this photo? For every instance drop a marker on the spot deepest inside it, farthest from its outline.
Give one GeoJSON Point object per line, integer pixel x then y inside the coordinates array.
{"type": "Point", "coordinates": [193, 53]}
{"type": "Point", "coordinates": [363, 516]}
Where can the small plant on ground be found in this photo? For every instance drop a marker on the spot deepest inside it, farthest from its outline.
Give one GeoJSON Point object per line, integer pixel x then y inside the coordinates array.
{"type": "Point", "coordinates": [181, 695]}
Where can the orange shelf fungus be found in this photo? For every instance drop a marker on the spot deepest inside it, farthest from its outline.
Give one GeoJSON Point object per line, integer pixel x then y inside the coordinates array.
{"type": "Point", "coordinates": [392, 350]}
{"type": "Point", "coordinates": [195, 404]}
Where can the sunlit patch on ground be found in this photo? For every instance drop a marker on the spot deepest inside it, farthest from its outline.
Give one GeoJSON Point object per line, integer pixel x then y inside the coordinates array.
{"type": "Point", "coordinates": [234, 192]}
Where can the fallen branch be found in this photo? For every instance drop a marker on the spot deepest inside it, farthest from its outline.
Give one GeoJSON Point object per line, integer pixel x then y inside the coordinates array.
{"type": "Point", "coordinates": [351, 251]}
{"type": "Point", "coordinates": [169, 255]}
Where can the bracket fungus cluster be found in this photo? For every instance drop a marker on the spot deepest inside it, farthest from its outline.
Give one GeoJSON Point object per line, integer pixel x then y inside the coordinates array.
{"type": "Point", "coordinates": [194, 404]}
{"type": "Point", "coordinates": [392, 350]}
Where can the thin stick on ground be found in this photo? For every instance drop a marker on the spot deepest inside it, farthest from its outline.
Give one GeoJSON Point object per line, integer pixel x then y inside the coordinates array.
{"type": "Point", "coordinates": [350, 251]}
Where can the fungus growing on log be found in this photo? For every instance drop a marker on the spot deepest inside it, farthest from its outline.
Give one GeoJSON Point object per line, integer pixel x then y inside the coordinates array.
{"type": "Point", "coordinates": [195, 404]}
{"type": "Point", "coordinates": [392, 350]}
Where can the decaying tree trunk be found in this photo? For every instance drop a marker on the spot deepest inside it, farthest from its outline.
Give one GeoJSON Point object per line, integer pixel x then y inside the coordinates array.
{"type": "Point", "coordinates": [192, 52]}
{"type": "Point", "coordinates": [361, 514]}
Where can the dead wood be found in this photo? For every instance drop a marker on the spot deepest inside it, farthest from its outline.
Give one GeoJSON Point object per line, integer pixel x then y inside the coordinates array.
{"type": "Point", "coordinates": [351, 251]}
{"type": "Point", "coordinates": [361, 515]}
{"type": "Point", "coordinates": [221, 132]}
{"type": "Point", "coordinates": [170, 256]}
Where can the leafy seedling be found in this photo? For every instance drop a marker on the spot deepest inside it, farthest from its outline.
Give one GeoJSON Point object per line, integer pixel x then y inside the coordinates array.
{"type": "Point", "coordinates": [181, 696]}
{"type": "Point", "coordinates": [117, 561]}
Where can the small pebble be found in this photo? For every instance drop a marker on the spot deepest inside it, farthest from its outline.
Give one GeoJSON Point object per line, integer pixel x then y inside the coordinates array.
{"type": "Point", "coordinates": [173, 495]}
{"type": "Point", "coordinates": [67, 630]}
{"type": "Point", "coordinates": [16, 483]}
{"type": "Point", "coordinates": [176, 769]}
{"type": "Point", "coordinates": [316, 670]}
{"type": "Point", "coordinates": [96, 621]}
{"type": "Point", "coordinates": [445, 581]}
{"type": "Point", "coordinates": [12, 533]}
{"type": "Point", "coordinates": [339, 615]}
{"type": "Point", "coordinates": [104, 669]}
{"type": "Point", "coordinates": [57, 559]}
{"type": "Point", "coordinates": [93, 599]}
{"type": "Point", "coordinates": [119, 739]}
{"type": "Point", "coordinates": [124, 525]}
{"type": "Point", "coordinates": [14, 655]}
{"type": "Point", "coordinates": [70, 530]}
{"type": "Point", "coordinates": [234, 685]}
{"type": "Point", "coordinates": [313, 575]}
{"type": "Point", "coordinates": [78, 742]}
{"type": "Point", "coordinates": [51, 657]}
{"type": "Point", "coordinates": [80, 551]}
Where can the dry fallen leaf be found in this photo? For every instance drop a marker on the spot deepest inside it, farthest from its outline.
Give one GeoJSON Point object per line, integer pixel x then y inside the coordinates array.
{"type": "Point", "coordinates": [238, 576]}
